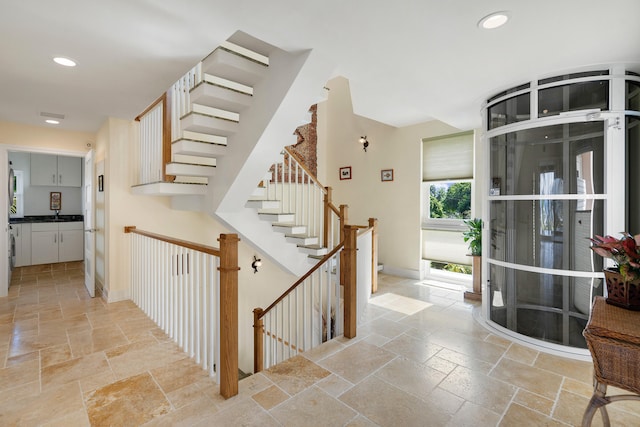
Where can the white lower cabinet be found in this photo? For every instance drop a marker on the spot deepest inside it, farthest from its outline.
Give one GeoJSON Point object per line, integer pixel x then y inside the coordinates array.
{"type": "Point", "coordinates": [22, 236]}
{"type": "Point", "coordinates": [71, 240]}
{"type": "Point", "coordinates": [56, 242]}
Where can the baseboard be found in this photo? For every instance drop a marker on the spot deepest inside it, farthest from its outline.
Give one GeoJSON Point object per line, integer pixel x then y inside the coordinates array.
{"type": "Point", "coordinates": [120, 295]}
{"type": "Point", "coordinates": [401, 272]}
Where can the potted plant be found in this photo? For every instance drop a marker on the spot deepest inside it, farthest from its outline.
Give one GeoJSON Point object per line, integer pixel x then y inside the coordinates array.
{"type": "Point", "coordinates": [623, 281]}
{"type": "Point", "coordinates": [473, 236]}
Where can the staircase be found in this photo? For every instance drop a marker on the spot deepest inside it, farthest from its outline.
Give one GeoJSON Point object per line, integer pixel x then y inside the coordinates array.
{"type": "Point", "coordinates": [230, 117]}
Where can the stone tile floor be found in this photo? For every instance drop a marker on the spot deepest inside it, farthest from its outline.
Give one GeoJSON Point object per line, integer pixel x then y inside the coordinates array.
{"type": "Point", "coordinates": [419, 359]}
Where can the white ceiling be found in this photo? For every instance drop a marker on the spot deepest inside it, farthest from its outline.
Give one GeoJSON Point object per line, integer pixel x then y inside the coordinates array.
{"type": "Point", "coordinates": [407, 61]}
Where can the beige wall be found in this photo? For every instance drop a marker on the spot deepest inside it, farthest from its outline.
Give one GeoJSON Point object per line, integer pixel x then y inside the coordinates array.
{"type": "Point", "coordinates": [395, 204]}
{"type": "Point", "coordinates": [41, 138]}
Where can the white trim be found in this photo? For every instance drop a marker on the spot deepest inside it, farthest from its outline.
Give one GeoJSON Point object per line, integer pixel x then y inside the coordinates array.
{"type": "Point", "coordinates": [34, 149]}
{"type": "Point", "coordinates": [118, 295]}
{"type": "Point", "coordinates": [402, 272]}
{"type": "Point", "coordinates": [530, 197]}
{"type": "Point", "coordinates": [542, 270]}
{"type": "Point", "coordinates": [535, 344]}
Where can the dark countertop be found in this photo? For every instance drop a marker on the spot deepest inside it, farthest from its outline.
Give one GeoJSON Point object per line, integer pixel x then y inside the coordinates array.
{"type": "Point", "coordinates": [46, 218]}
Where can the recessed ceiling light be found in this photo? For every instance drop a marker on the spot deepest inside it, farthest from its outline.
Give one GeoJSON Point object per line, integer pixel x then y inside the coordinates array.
{"type": "Point", "coordinates": [52, 122]}
{"type": "Point", "coordinates": [494, 20]}
{"type": "Point", "coordinates": [64, 61]}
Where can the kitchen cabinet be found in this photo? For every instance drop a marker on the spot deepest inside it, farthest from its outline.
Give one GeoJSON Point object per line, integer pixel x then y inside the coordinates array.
{"type": "Point", "coordinates": [71, 241]}
{"type": "Point", "coordinates": [57, 171]}
{"type": "Point", "coordinates": [56, 242]}
{"type": "Point", "coordinates": [22, 236]}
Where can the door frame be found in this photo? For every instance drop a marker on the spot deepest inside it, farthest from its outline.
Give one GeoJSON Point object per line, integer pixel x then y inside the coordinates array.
{"type": "Point", "coordinates": [4, 194]}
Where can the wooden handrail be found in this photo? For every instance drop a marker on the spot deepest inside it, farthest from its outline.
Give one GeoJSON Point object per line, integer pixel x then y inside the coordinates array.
{"type": "Point", "coordinates": [151, 107]}
{"type": "Point", "coordinates": [166, 136]}
{"type": "Point", "coordinates": [348, 266]}
{"type": "Point", "coordinates": [308, 273]}
{"type": "Point", "coordinates": [304, 167]}
{"type": "Point", "coordinates": [300, 280]}
{"type": "Point", "coordinates": [184, 243]}
{"type": "Point", "coordinates": [165, 99]}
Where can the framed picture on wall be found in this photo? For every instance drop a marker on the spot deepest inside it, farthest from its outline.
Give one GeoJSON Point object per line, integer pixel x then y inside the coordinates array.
{"type": "Point", "coordinates": [345, 172]}
{"type": "Point", "coordinates": [386, 175]}
{"type": "Point", "coordinates": [55, 200]}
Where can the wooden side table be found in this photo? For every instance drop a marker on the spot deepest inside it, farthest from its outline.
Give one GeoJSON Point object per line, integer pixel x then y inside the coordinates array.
{"type": "Point", "coordinates": [613, 337]}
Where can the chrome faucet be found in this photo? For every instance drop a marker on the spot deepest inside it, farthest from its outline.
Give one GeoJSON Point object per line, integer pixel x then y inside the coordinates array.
{"type": "Point", "coordinates": [57, 212]}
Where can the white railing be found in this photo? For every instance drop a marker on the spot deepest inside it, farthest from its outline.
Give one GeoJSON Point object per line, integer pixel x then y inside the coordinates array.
{"type": "Point", "coordinates": [301, 194]}
{"type": "Point", "coordinates": [180, 99]}
{"type": "Point", "coordinates": [150, 145]}
{"type": "Point", "coordinates": [178, 288]}
{"type": "Point", "coordinates": [308, 315]}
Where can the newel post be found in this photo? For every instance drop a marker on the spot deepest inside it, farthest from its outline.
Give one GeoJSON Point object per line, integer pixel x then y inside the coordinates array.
{"type": "Point", "coordinates": [228, 363]}
{"type": "Point", "coordinates": [349, 262]}
{"type": "Point", "coordinates": [327, 216]}
{"type": "Point", "coordinates": [258, 345]}
{"type": "Point", "coordinates": [373, 223]}
{"type": "Point", "coordinates": [166, 135]}
{"type": "Point", "coordinates": [344, 217]}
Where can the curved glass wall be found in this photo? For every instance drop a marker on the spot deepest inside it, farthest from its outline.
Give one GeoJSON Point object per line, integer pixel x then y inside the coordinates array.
{"type": "Point", "coordinates": [556, 150]}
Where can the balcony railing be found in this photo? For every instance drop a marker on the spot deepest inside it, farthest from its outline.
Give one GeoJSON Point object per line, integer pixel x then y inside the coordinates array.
{"type": "Point", "coordinates": [186, 288]}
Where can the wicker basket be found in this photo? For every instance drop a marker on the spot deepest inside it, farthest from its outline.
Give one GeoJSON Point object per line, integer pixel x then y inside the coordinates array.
{"type": "Point", "coordinates": [620, 292]}
{"type": "Point", "coordinates": [613, 337]}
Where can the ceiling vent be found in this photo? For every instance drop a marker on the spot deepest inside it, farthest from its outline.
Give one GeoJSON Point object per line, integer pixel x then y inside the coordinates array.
{"type": "Point", "coordinates": [52, 115]}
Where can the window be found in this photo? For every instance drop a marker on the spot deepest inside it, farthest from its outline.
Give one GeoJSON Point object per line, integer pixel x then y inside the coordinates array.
{"type": "Point", "coordinates": [446, 181]}
{"type": "Point", "coordinates": [446, 200]}
{"type": "Point", "coordinates": [17, 206]}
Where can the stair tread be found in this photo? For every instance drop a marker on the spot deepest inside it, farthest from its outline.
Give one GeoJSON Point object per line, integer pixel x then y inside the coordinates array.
{"type": "Point", "coordinates": [313, 247]}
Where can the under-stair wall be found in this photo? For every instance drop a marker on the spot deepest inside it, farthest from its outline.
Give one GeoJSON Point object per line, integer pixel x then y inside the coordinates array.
{"type": "Point", "coordinates": [238, 109]}
{"type": "Point", "coordinates": [281, 104]}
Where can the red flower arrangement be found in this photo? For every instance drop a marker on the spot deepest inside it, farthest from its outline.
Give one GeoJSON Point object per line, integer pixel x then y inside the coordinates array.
{"type": "Point", "coordinates": [625, 252]}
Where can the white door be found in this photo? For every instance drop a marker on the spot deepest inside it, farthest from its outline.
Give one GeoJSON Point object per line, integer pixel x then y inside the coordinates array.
{"type": "Point", "coordinates": [89, 227]}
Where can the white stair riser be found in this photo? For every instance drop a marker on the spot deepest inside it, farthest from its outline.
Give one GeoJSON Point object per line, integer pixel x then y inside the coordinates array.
{"type": "Point", "coordinates": [215, 112]}
{"type": "Point", "coordinates": [301, 241]}
{"type": "Point", "coordinates": [169, 189]}
{"type": "Point", "coordinates": [263, 204]}
{"type": "Point", "coordinates": [259, 192]}
{"type": "Point", "coordinates": [231, 66]}
{"type": "Point", "coordinates": [219, 97]}
{"type": "Point", "coordinates": [195, 148]}
{"type": "Point", "coordinates": [189, 170]}
{"type": "Point", "coordinates": [204, 124]}
{"type": "Point", "coordinates": [204, 137]}
{"type": "Point", "coordinates": [277, 217]}
{"type": "Point", "coordinates": [290, 229]}
{"type": "Point", "coordinates": [313, 251]}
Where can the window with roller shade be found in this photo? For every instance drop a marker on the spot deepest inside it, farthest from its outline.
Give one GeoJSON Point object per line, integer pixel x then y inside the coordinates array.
{"type": "Point", "coordinates": [447, 173]}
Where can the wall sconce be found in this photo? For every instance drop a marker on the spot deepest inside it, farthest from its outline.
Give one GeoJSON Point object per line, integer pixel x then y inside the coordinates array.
{"type": "Point", "coordinates": [364, 142]}
{"type": "Point", "coordinates": [257, 262]}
